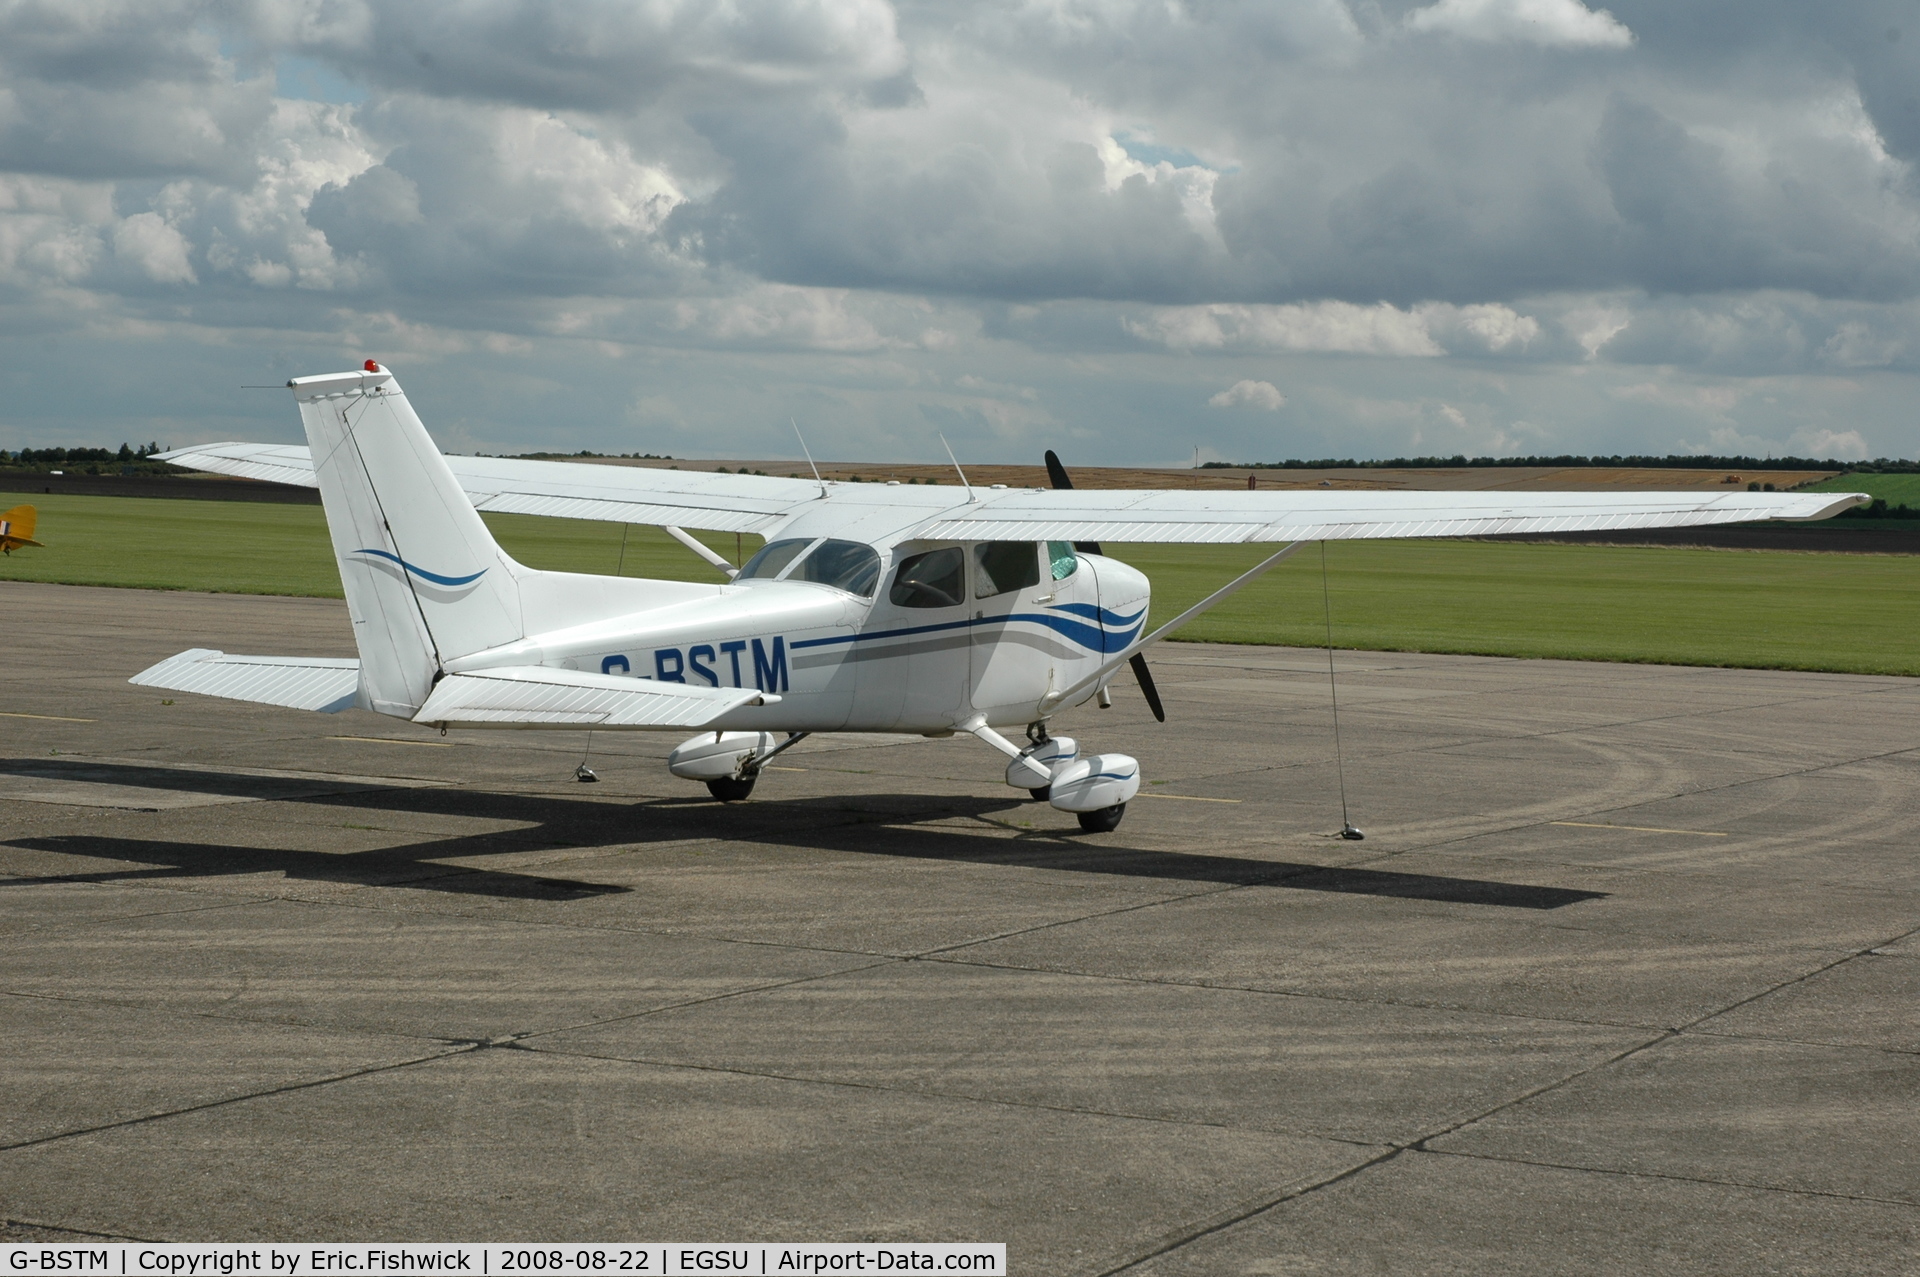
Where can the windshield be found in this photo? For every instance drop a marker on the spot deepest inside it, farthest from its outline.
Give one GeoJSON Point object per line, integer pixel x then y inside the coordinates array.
{"type": "Point", "coordinates": [773, 559]}
{"type": "Point", "coordinates": [845, 565]}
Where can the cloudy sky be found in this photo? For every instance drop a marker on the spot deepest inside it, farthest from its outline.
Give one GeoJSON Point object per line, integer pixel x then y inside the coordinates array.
{"type": "Point", "coordinates": [1124, 230]}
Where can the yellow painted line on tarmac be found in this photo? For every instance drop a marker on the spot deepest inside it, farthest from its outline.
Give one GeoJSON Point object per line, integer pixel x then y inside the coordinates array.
{"type": "Point", "coordinates": [49, 718]}
{"type": "Point", "coordinates": [783, 769]}
{"type": "Point", "coordinates": [1639, 829]}
{"type": "Point", "coordinates": [1189, 798]}
{"type": "Point", "coordinates": [395, 740]}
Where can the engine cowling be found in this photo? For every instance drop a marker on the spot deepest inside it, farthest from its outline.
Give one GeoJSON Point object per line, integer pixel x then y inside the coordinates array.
{"type": "Point", "coordinates": [718, 755]}
{"type": "Point", "coordinates": [1096, 782]}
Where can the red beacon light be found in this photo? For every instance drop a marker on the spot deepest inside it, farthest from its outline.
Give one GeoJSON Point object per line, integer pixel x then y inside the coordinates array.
{"type": "Point", "coordinates": [372, 367]}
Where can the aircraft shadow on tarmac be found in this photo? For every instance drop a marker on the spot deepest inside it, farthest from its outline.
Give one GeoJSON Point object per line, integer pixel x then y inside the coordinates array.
{"type": "Point", "coordinates": [865, 824]}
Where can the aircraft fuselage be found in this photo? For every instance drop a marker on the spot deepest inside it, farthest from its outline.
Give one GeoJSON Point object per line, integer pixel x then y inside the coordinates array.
{"type": "Point", "coordinates": [889, 661]}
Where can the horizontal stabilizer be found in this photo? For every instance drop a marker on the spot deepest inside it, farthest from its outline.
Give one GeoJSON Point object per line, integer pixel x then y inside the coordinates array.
{"type": "Point", "coordinates": [536, 696]}
{"type": "Point", "coordinates": [270, 462]}
{"type": "Point", "coordinates": [321, 683]}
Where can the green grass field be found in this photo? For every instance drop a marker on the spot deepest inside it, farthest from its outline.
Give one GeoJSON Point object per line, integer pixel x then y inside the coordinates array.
{"type": "Point", "coordinates": [246, 547]}
{"type": "Point", "coordinates": [1766, 609]}
{"type": "Point", "coordinates": [1895, 489]}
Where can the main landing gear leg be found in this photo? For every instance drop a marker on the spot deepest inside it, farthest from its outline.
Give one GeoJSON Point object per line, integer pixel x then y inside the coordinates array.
{"type": "Point", "coordinates": [736, 788]}
{"type": "Point", "coordinates": [1037, 736]}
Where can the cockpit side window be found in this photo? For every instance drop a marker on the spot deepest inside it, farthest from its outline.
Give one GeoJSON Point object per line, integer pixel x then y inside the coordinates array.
{"type": "Point", "coordinates": [934, 579]}
{"type": "Point", "coordinates": [1065, 561]}
{"type": "Point", "coordinates": [1001, 566]}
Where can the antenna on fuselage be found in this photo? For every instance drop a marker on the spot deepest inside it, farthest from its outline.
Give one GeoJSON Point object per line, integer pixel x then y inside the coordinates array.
{"type": "Point", "coordinates": [809, 455]}
{"type": "Point", "coordinates": [956, 468]}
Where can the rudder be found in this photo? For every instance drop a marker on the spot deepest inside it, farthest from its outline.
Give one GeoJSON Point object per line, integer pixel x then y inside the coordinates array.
{"type": "Point", "coordinates": [425, 581]}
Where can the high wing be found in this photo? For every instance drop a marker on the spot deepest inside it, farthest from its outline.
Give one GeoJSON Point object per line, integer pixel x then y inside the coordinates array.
{"type": "Point", "coordinates": [760, 504]}
{"type": "Point", "coordinates": [1189, 516]}
{"type": "Point", "coordinates": [562, 489]}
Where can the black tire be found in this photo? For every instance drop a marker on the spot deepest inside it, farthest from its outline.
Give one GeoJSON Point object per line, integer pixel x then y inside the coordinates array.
{"type": "Point", "coordinates": [729, 790]}
{"type": "Point", "coordinates": [1104, 821]}
{"type": "Point", "coordinates": [1041, 794]}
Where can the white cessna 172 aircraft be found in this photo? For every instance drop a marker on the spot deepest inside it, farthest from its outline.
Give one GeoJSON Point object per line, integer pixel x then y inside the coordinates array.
{"type": "Point", "coordinates": [872, 608]}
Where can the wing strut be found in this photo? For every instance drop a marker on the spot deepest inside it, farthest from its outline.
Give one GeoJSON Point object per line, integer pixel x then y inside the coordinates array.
{"type": "Point", "coordinates": [700, 549]}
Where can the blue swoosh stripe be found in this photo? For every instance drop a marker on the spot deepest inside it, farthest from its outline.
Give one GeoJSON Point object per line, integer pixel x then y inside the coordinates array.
{"type": "Point", "coordinates": [1088, 610]}
{"type": "Point", "coordinates": [879, 634]}
{"type": "Point", "coordinates": [422, 573]}
{"type": "Point", "coordinates": [1090, 637]}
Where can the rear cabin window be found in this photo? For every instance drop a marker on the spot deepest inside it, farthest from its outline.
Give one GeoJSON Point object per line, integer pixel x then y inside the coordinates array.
{"type": "Point", "coordinates": [1001, 566]}
{"type": "Point", "coordinates": [934, 579]}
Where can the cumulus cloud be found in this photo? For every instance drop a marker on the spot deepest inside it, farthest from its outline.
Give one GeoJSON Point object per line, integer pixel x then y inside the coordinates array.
{"type": "Point", "coordinates": [807, 318]}
{"type": "Point", "coordinates": [1607, 198]}
{"type": "Point", "coordinates": [1566, 23]}
{"type": "Point", "coordinates": [1845, 445]}
{"type": "Point", "coordinates": [597, 55]}
{"type": "Point", "coordinates": [1335, 327]}
{"type": "Point", "coordinates": [158, 250]}
{"type": "Point", "coordinates": [1858, 345]}
{"type": "Point", "coordinates": [1250, 394]}
{"type": "Point", "coordinates": [1327, 327]}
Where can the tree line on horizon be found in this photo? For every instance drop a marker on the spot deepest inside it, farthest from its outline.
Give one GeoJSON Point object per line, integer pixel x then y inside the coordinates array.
{"type": "Point", "coordinates": [127, 459]}
{"type": "Point", "coordinates": [1880, 465]}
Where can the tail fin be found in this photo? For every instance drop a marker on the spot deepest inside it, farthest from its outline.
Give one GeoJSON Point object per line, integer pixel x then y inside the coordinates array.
{"type": "Point", "coordinates": [425, 582]}
{"type": "Point", "coordinates": [16, 526]}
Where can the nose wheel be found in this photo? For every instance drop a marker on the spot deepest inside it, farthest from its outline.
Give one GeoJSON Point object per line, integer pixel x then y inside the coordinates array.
{"type": "Point", "coordinates": [1103, 821]}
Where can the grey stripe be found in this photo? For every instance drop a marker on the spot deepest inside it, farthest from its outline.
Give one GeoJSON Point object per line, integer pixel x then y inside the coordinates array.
{"type": "Point", "coordinates": [1039, 642]}
{"type": "Point", "coordinates": [919, 647]}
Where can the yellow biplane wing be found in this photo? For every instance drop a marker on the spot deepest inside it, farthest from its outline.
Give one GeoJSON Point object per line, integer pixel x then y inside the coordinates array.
{"type": "Point", "coordinates": [16, 528]}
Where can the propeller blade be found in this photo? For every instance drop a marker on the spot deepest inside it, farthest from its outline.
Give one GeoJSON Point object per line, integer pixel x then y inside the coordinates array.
{"type": "Point", "coordinates": [1147, 689]}
{"type": "Point", "coordinates": [1057, 475]}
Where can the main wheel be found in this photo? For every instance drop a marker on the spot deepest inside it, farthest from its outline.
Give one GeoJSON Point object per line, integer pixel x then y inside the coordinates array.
{"type": "Point", "coordinates": [729, 790]}
{"type": "Point", "coordinates": [1041, 794]}
{"type": "Point", "coordinates": [1104, 821]}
